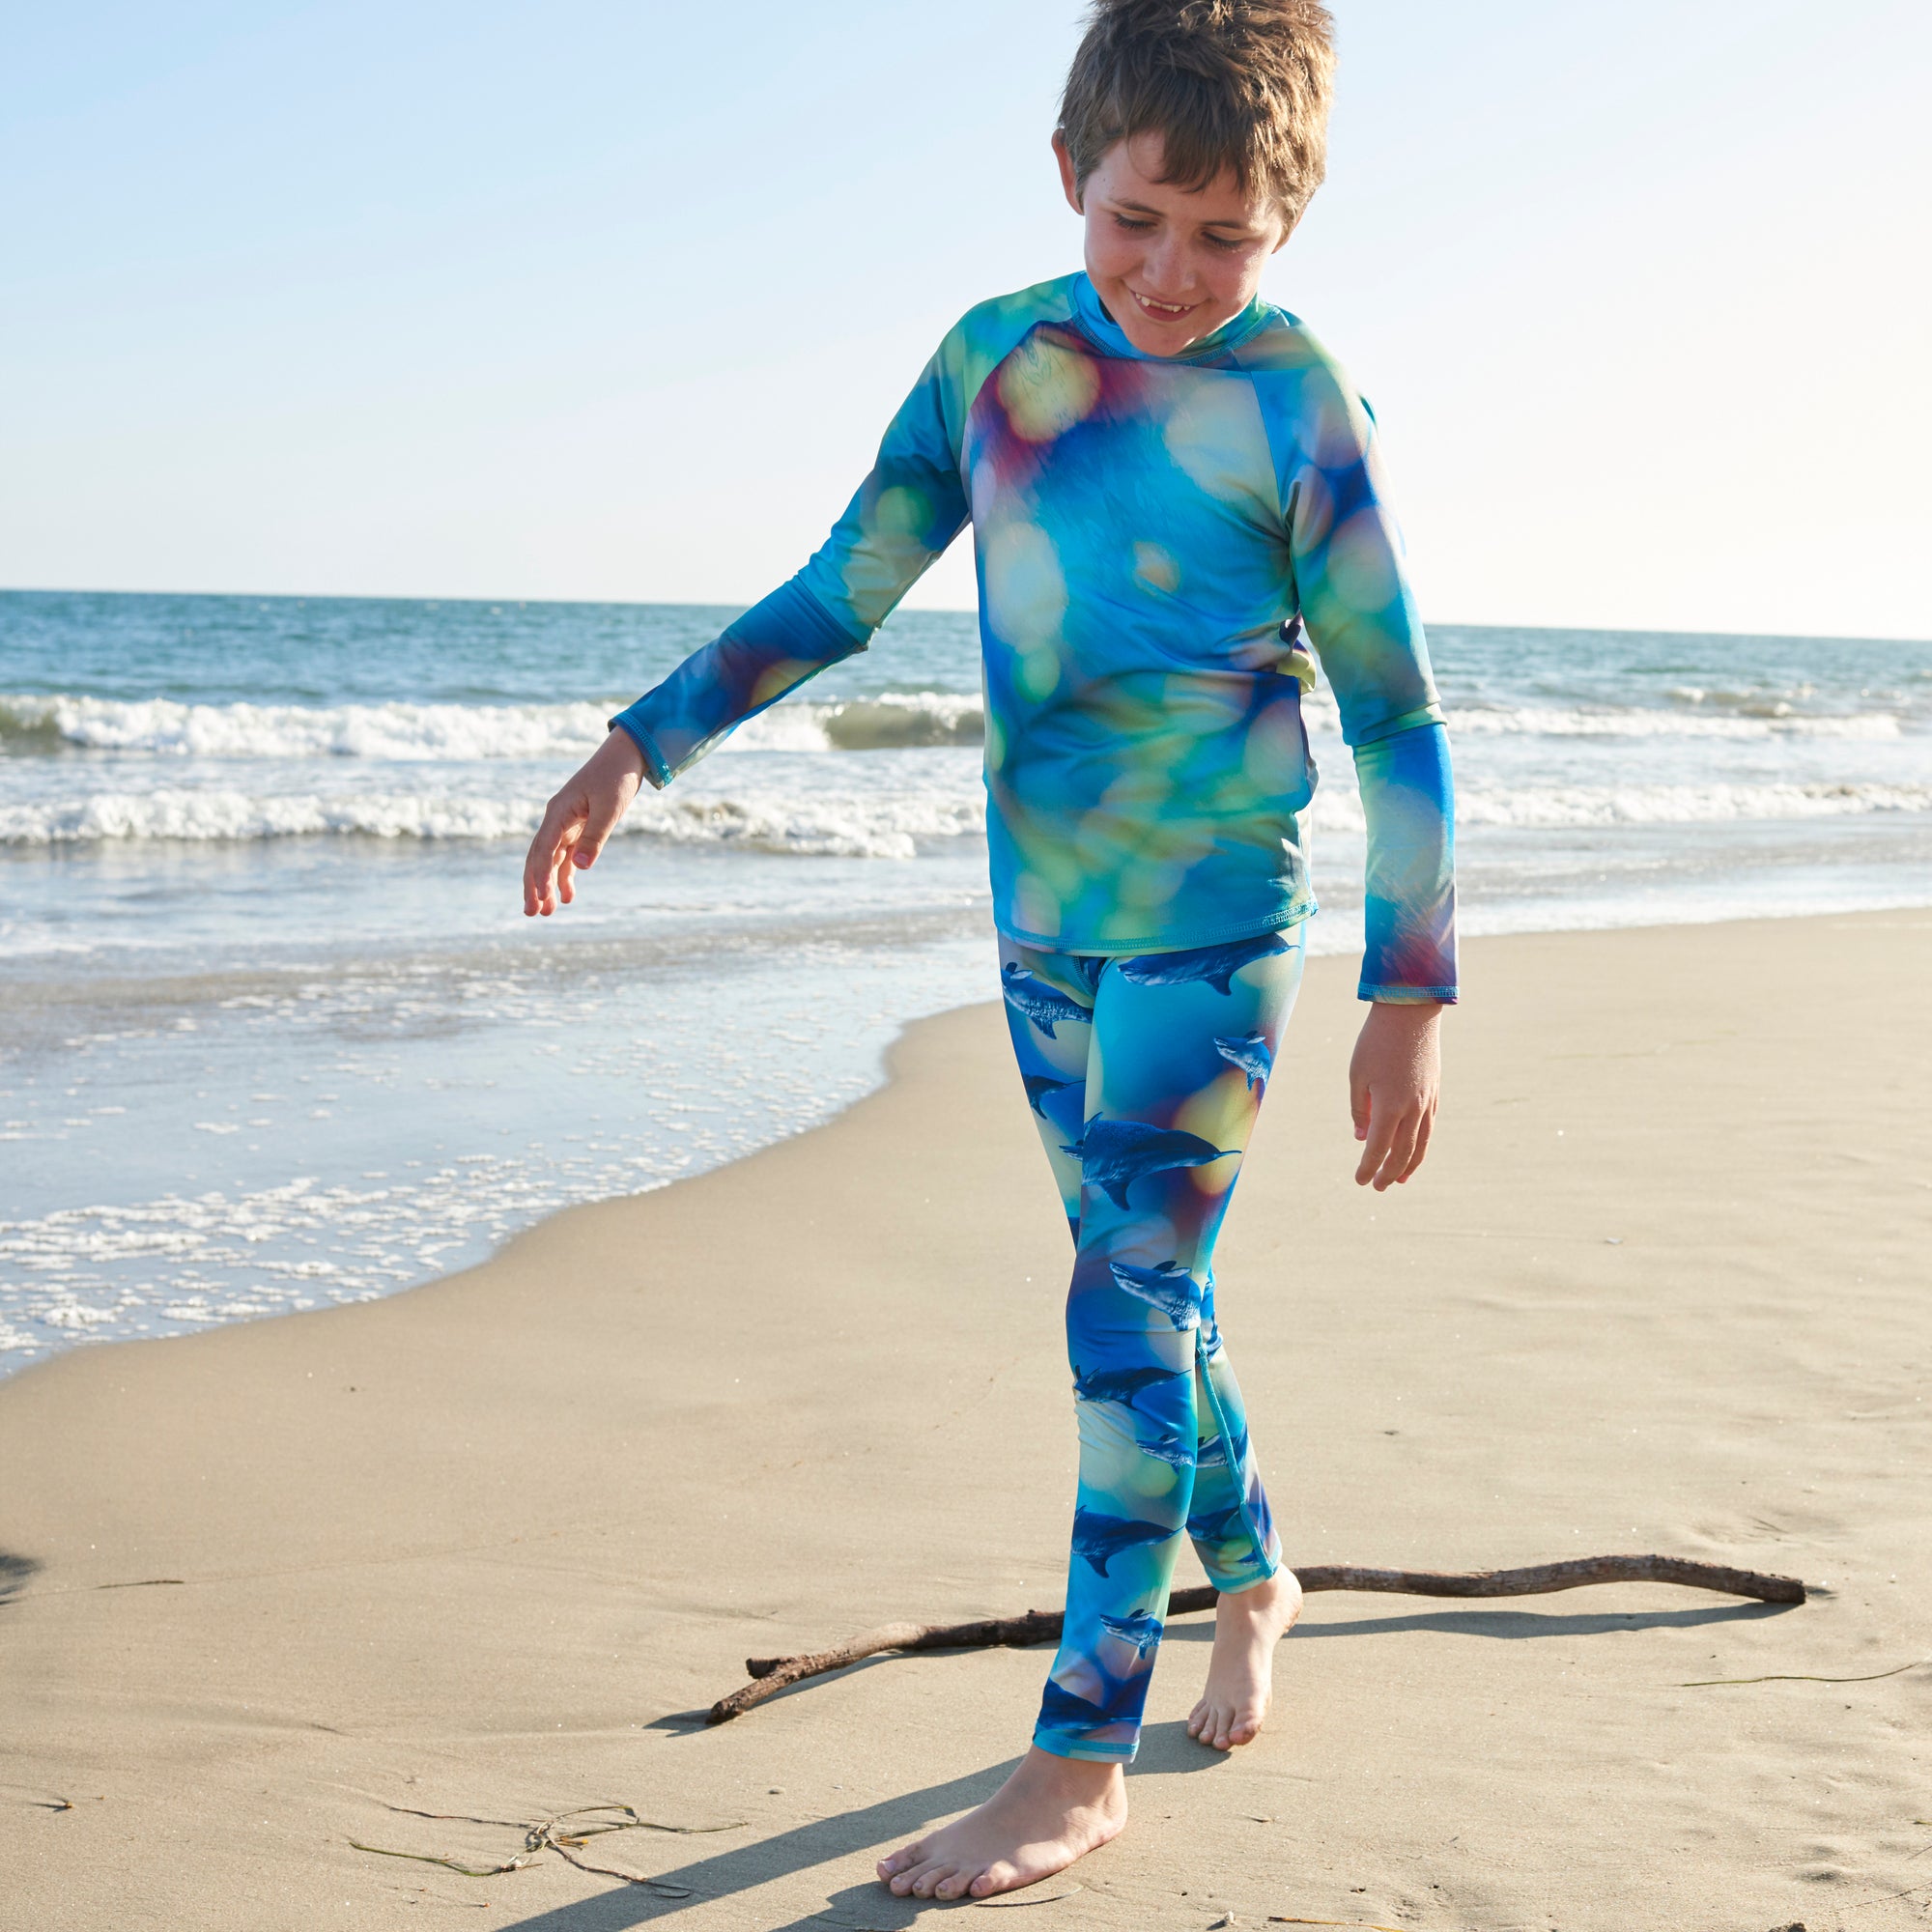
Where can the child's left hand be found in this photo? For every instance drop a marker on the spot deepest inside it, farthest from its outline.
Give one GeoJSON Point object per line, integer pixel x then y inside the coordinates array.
{"type": "Point", "coordinates": [1393, 1079]}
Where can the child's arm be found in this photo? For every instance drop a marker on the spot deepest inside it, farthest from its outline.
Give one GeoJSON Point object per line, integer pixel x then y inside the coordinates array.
{"type": "Point", "coordinates": [905, 514]}
{"type": "Point", "coordinates": [1360, 617]}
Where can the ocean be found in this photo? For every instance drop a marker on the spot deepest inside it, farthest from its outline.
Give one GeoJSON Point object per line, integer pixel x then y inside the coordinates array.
{"type": "Point", "coordinates": [274, 1033]}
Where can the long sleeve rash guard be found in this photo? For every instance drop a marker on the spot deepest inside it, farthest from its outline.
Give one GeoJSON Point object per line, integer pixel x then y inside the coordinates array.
{"type": "Point", "coordinates": [1155, 538]}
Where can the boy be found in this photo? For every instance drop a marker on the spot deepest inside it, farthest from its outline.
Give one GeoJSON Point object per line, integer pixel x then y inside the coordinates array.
{"type": "Point", "coordinates": [1170, 485]}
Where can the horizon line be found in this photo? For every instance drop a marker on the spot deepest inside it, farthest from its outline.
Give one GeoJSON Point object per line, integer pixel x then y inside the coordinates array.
{"type": "Point", "coordinates": [937, 611]}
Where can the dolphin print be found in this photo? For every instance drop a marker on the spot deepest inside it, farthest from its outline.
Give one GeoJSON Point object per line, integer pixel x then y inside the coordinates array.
{"type": "Point", "coordinates": [1141, 1629]}
{"type": "Point", "coordinates": [1100, 1538]}
{"type": "Point", "coordinates": [1213, 1453]}
{"type": "Point", "coordinates": [1169, 1449]}
{"type": "Point", "coordinates": [1044, 1005]}
{"type": "Point", "coordinates": [1113, 1155]}
{"type": "Point", "coordinates": [1061, 1709]}
{"type": "Point", "coordinates": [1169, 1287]}
{"type": "Point", "coordinates": [1216, 965]}
{"type": "Point", "coordinates": [1251, 1053]}
{"type": "Point", "coordinates": [1120, 1386]}
{"type": "Point", "coordinates": [1215, 1527]}
{"type": "Point", "coordinates": [1039, 1090]}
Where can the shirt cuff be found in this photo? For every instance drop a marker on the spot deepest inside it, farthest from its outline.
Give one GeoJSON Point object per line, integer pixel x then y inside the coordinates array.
{"type": "Point", "coordinates": [655, 767]}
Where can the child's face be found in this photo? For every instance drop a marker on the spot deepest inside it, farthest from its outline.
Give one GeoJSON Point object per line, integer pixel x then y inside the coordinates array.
{"type": "Point", "coordinates": [1172, 264]}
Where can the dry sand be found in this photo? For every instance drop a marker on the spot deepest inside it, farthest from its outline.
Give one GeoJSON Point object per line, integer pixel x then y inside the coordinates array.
{"type": "Point", "coordinates": [1663, 1286]}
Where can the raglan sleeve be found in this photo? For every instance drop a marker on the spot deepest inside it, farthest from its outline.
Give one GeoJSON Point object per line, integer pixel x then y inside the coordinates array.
{"type": "Point", "coordinates": [906, 512]}
{"type": "Point", "coordinates": [1359, 613]}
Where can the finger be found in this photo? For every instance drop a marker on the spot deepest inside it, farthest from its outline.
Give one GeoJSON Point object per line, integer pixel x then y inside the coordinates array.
{"type": "Point", "coordinates": [1358, 1105]}
{"type": "Point", "coordinates": [545, 861]}
{"type": "Point", "coordinates": [1400, 1147]}
{"type": "Point", "coordinates": [542, 862]}
{"type": "Point", "coordinates": [599, 822]}
{"type": "Point", "coordinates": [566, 871]}
{"type": "Point", "coordinates": [530, 873]}
{"type": "Point", "coordinates": [538, 864]}
{"type": "Point", "coordinates": [561, 821]}
{"type": "Point", "coordinates": [1423, 1129]}
{"type": "Point", "coordinates": [1379, 1133]}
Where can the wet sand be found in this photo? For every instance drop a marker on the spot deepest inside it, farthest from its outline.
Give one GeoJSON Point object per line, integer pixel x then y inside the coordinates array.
{"type": "Point", "coordinates": [483, 1547]}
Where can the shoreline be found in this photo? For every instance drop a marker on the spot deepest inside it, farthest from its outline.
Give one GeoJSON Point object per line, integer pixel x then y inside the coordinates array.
{"type": "Point", "coordinates": [331, 1178]}
{"type": "Point", "coordinates": [474, 1546]}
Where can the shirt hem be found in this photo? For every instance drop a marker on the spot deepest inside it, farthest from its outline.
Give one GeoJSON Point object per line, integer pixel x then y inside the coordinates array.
{"type": "Point", "coordinates": [1219, 935]}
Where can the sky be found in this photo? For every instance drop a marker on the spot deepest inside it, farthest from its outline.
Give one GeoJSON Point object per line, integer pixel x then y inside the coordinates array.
{"type": "Point", "coordinates": [611, 300]}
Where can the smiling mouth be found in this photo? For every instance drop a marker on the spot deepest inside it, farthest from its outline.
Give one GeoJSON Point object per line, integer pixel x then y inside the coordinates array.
{"type": "Point", "coordinates": [1162, 308]}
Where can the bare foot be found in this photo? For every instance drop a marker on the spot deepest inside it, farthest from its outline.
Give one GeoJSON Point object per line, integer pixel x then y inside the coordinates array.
{"type": "Point", "coordinates": [1049, 1813]}
{"type": "Point", "coordinates": [1240, 1673]}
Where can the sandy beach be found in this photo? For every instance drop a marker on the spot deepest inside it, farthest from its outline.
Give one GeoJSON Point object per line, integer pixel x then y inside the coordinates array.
{"type": "Point", "coordinates": [273, 1591]}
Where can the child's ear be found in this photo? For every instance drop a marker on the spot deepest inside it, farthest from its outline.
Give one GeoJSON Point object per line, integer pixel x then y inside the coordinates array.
{"type": "Point", "coordinates": [1068, 180]}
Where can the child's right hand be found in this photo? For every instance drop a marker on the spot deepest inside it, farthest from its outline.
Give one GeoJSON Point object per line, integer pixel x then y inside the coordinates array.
{"type": "Point", "coordinates": [578, 819]}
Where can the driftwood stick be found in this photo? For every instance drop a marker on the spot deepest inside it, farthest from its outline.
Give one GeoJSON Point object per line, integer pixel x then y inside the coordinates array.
{"type": "Point", "coordinates": [772, 1674]}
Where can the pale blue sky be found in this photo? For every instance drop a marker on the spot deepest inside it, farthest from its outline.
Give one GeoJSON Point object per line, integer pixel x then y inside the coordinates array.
{"type": "Point", "coordinates": [613, 300]}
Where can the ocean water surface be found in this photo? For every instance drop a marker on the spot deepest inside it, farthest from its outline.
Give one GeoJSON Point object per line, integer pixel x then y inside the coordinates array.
{"type": "Point", "coordinates": [273, 1032]}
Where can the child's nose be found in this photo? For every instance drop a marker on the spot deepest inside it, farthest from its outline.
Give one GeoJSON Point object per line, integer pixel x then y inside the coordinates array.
{"type": "Point", "coordinates": [1169, 268]}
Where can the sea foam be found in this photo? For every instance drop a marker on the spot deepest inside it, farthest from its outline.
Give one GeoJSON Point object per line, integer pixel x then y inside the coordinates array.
{"type": "Point", "coordinates": [890, 825]}
{"type": "Point", "coordinates": [401, 733]}
{"type": "Point", "coordinates": [885, 827]}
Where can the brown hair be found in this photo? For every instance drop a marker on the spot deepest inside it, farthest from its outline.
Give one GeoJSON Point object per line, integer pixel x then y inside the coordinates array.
{"type": "Point", "coordinates": [1240, 85]}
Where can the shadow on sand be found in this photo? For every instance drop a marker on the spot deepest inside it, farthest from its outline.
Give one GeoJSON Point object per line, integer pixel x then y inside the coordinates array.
{"type": "Point", "coordinates": [865, 1907]}
{"type": "Point", "coordinates": [1519, 1624]}
{"type": "Point", "coordinates": [1165, 1748]}
{"type": "Point", "coordinates": [14, 1574]}
{"type": "Point", "coordinates": [816, 1843]}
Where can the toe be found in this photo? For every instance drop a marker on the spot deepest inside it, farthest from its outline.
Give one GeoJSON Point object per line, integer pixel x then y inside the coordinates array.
{"type": "Point", "coordinates": [902, 1860]}
{"type": "Point", "coordinates": [997, 1877]}
{"type": "Point", "coordinates": [906, 1884]}
{"type": "Point", "coordinates": [926, 1880]}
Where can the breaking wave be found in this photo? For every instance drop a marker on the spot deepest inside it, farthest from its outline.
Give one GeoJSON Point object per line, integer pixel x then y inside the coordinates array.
{"type": "Point", "coordinates": [882, 826]}
{"type": "Point", "coordinates": [1555, 807]}
{"type": "Point", "coordinates": [441, 733]}
{"type": "Point", "coordinates": [819, 827]}
{"type": "Point", "coordinates": [1640, 722]}
{"type": "Point", "coordinates": [401, 733]}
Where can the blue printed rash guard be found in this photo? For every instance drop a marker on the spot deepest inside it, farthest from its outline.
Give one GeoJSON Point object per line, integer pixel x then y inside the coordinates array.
{"type": "Point", "coordinates": [1155, 538]}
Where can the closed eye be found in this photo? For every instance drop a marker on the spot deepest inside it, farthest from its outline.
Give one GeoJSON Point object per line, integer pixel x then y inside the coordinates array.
{"type": "Point", "coordinates": [1131, 226]}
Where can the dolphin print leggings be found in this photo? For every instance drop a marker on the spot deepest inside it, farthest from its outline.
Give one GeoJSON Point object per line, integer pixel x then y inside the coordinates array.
{"type": "Point", "coordinates": [1145, 1075]}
